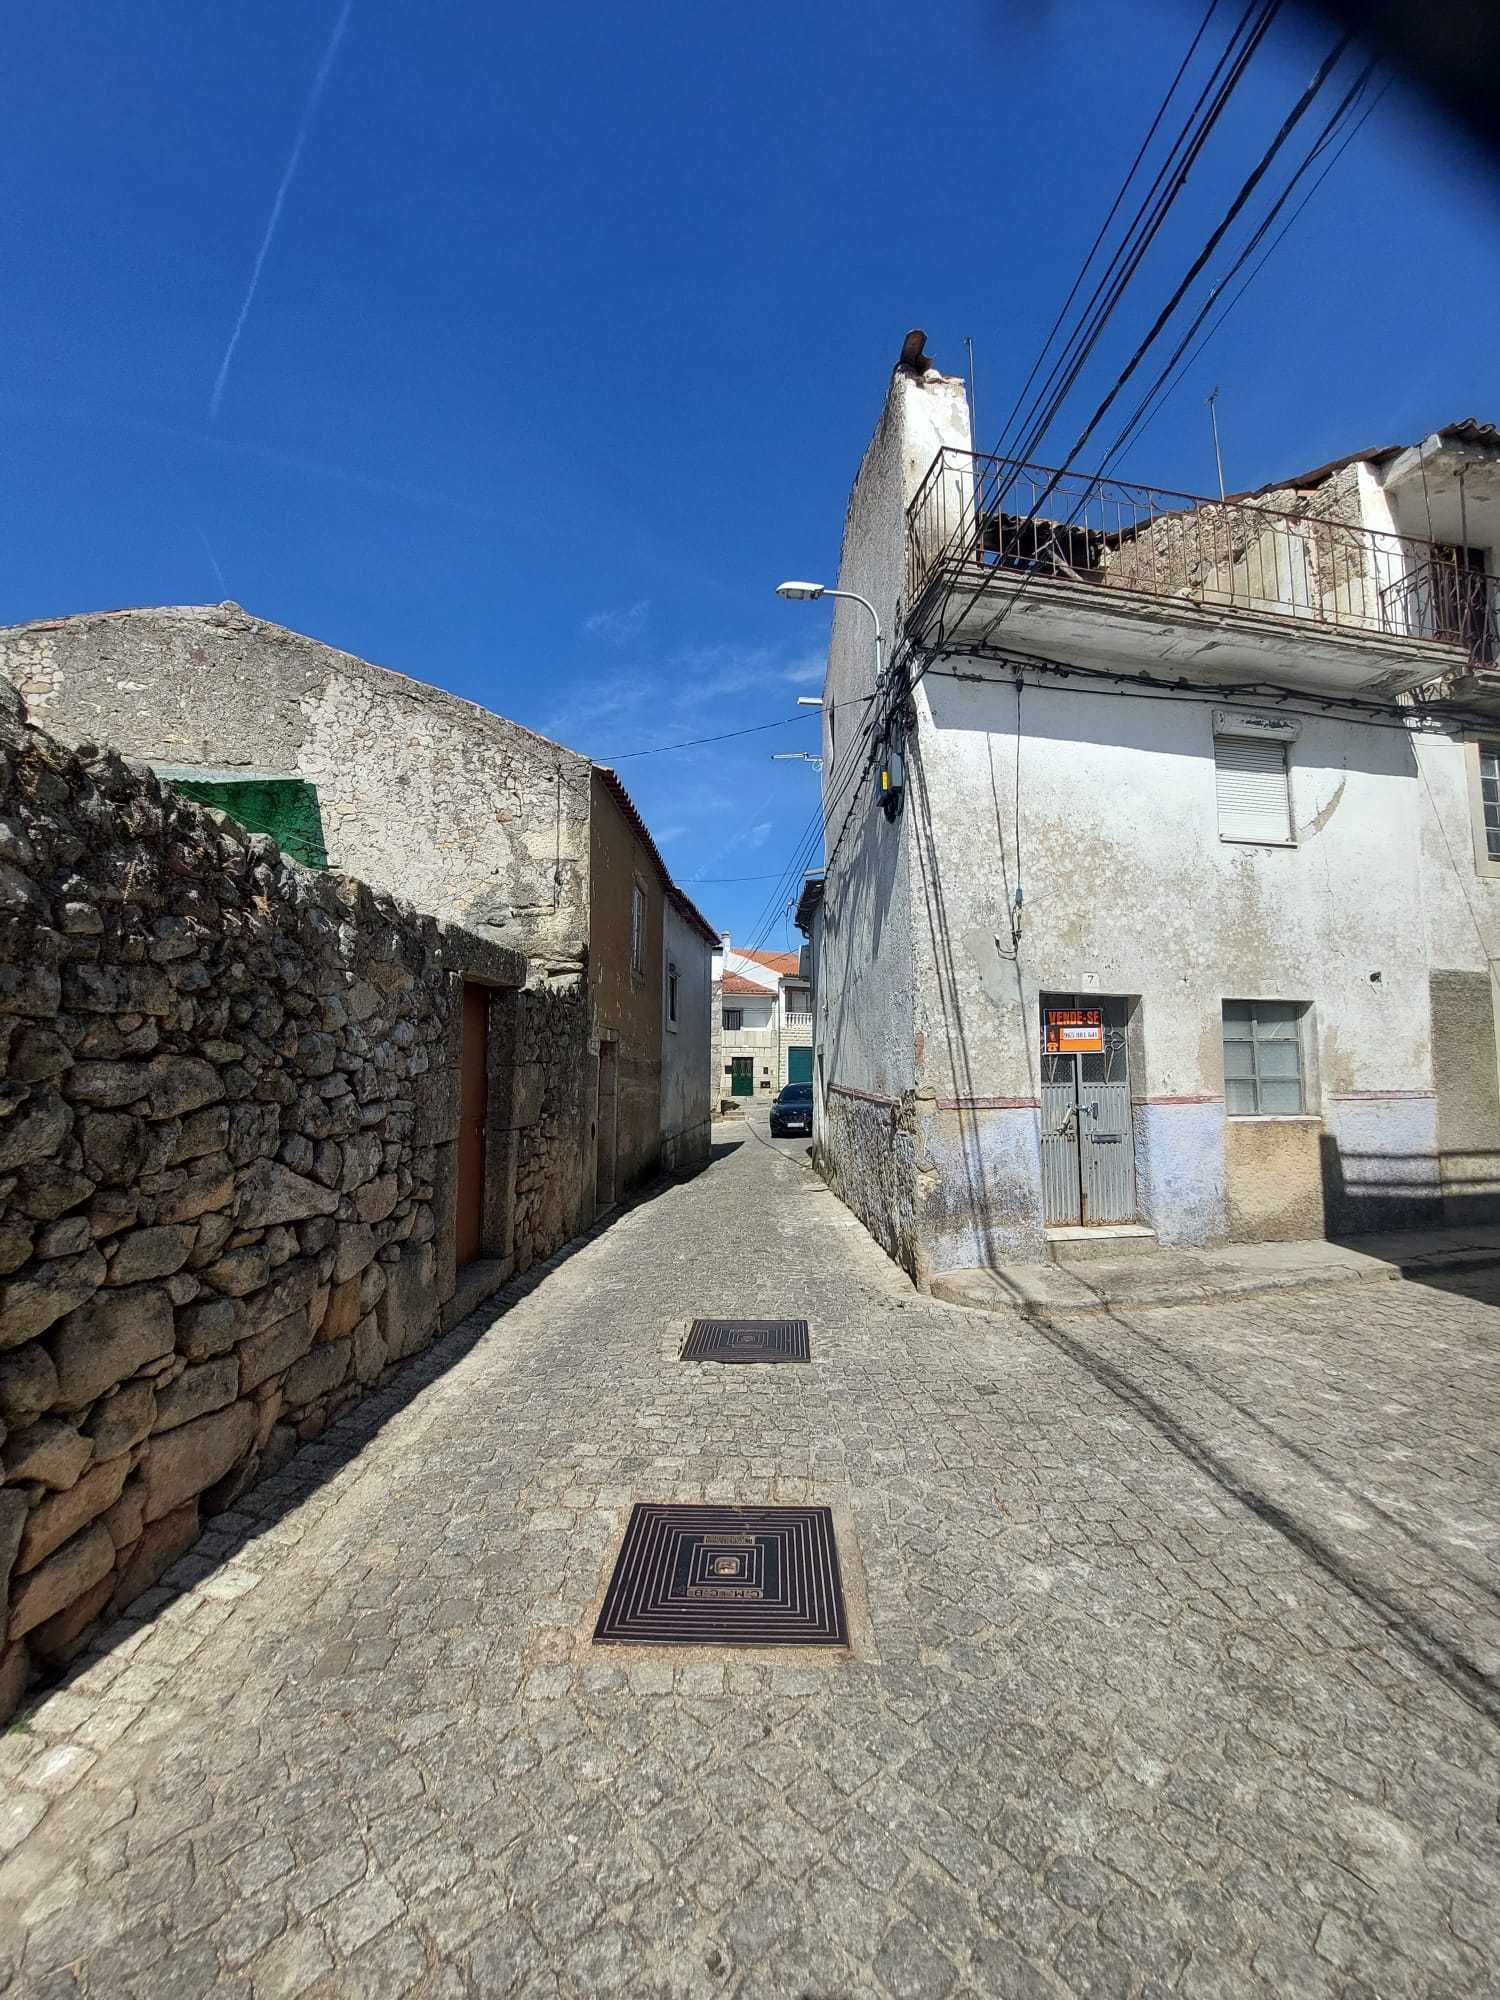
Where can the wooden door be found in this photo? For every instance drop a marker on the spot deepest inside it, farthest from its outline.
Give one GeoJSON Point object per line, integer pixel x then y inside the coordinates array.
{"type": "Point", "coordinates": [472, 1103]}
{"type": "Point", "coordinates": [606, 1125]}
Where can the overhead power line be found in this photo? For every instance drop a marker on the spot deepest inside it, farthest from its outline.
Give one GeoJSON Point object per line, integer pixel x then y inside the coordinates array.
{"type": "Point", "coordinates": [1226, 222]}
{"type": "Point", "coordinates": [1330, 130]}
{"type": "Point", "coordinates": [1097, 244]}
{"type": "Point", "coordinates": [1163, 317]}
{"type": "Point", "coordinates": [1145, 225]}
{"type": "Point", "coordinates": [692, 742]}
{"type": "Point", "coordinates": [1272, 247]}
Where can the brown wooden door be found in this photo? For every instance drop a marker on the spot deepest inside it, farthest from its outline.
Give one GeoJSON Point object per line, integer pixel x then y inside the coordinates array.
{"type": "Point", "coordinates": [473, 1095]}
{"type": "Point", "coordinates": [606, 1122]}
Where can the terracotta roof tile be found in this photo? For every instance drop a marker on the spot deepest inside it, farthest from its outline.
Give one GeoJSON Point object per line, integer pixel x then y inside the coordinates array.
{"type": "Point", "coordinates": [732, 982]}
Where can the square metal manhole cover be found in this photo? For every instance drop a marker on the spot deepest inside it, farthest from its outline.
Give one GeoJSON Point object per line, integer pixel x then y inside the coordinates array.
{"type": "Point", "coordinates": [748, 1340]}
{"type": "Point", "coordinates": [725, 1576]}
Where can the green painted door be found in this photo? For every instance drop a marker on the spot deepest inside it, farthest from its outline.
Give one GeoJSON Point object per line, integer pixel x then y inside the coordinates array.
{"type": "Point", "coordinates": [799, 1065]}
{"type": "Point", "coordinates": [743, 1081]}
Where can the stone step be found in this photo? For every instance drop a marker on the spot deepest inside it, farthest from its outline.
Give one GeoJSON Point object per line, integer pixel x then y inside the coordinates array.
{"type": "Point", "coordinates": [1073, 1244]}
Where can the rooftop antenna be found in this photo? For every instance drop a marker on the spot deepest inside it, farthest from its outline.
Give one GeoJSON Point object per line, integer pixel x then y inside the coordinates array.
{"type": "Point", "coordinates": [1213, 418]}
{"type": "Point", "coordinates": [973, 420]}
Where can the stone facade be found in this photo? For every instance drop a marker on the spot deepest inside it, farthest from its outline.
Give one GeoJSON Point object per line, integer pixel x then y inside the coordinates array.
{"type": "Point", "coordinates": [227, 1132]}
{"type": "Point", "coordinates": [554, 1187]}
{"type": "Point", "coordinates": [434, 799]}
{"type": "Point", "coordinates": [215, 695]}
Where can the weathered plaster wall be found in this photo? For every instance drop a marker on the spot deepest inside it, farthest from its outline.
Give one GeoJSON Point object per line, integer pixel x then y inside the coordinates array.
{"type": "Point", "coordinates": [686, 1048]}
{"type": "Point", "coordinates": [460, 812]}
{"type": "Point", "coordinates": [625, 1004]}
{"type": "Point", "coordinates": [1467, 1078]}
{"type": "Point", "coordinates": [1461, 899]}
{"type": "Point", "coordinates": [229, 1101]}
{"type": "Point", "coordinates": [879, 911]}
{"type": "Point", "coordinates": [1129, 890]}
{"type": "Point", "coordinates": [1273, 1179]}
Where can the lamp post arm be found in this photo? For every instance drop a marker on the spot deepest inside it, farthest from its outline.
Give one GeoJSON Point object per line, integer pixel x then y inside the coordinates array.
{"type": "Point", "coordinates": [854, 598]}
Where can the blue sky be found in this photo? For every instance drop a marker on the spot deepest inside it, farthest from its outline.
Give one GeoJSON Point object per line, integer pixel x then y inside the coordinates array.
{"type": "Point", "coordinates": [575, 320]}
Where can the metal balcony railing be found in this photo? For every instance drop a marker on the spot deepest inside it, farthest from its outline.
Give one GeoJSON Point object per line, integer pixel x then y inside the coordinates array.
{"type": "Point", "coordinates": [976, 517]}
{"type": "Point", "coordinates": [1440, 599]}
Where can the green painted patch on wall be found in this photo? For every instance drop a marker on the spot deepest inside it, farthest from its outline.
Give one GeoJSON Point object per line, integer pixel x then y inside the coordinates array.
{"type": "Point", "coordinates": [285, 808]}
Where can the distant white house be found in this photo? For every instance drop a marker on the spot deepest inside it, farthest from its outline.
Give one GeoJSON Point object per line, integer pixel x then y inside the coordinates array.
{"type": "Point", "coordinates": [762, 1011]}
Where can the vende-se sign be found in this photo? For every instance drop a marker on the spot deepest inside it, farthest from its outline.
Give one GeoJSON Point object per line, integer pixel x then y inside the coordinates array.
{"type": "Point", "coordinates": [1074, 1031]}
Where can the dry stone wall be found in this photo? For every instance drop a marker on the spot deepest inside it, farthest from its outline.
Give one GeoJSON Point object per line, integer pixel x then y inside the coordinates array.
{"type": "Point", "coordinates": [554, 1089]}
{"type": "Point", "coordinates": [228, 1100]}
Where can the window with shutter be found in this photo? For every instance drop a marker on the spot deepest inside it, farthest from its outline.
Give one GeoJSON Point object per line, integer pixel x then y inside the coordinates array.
{"type": "Point", "coordinates": [1250, 781]}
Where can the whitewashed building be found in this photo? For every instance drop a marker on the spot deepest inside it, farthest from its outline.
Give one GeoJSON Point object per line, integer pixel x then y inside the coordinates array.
{"type": "Point", "coordinates": [1176, 919]}
{"type": "Point", "coordinates": [764, 1031]}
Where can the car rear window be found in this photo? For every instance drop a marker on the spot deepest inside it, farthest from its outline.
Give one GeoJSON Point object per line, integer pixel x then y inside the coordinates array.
{"type": "Point", "coordinates": [797, 1093]}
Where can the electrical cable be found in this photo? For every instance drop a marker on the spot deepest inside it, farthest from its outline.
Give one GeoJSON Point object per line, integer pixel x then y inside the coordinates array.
{"type": "Point", "coordinates": [692, 742]}
{"type": "Point", "coordinates": [1271, 249]}
{"type": "Point", "coordinates": [1144, 227]}
{"type": "Point", "coordinates": [815, 832]}
{"type": "Point", "coordinates": [1243, 43]}
{"type": "Point", "coordinates": [1114, 210]}
{"type": "Point", "coordinates": [1257, 30]}
{"type": "Point", "coordinates": [1257, 174]}
{"type": "Point", "coordinates": [1340, 115]}
{"type": "Point", "coordinates": [1235, 208]}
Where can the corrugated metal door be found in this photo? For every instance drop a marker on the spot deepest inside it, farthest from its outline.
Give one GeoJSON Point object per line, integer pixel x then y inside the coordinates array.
{"type": "Point", "coordinates": [1088, 1148]}
{"type": "Point", "coordinates": [1062, 1187]}
{"type": "Point", "coordinates": [1107, 1144]}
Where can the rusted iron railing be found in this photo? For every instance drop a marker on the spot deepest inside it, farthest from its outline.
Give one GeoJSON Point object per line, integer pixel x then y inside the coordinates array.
{"type": "Point", "coordinates": [1441, 599]}
{"type": "Point", "coordinates": [975, 515]}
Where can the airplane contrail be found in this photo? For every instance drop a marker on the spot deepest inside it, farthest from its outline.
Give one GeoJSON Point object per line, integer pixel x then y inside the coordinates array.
{"type": "Point", "coordinates": [308, 109]}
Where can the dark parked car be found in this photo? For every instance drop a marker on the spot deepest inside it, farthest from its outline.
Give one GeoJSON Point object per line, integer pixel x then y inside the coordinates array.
{"type": "Point", "coordinates": [792, 1111]}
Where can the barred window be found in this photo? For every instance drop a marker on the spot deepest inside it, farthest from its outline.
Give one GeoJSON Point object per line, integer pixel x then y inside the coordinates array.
{"type": "Point", "coordinates": [1263, 1058]}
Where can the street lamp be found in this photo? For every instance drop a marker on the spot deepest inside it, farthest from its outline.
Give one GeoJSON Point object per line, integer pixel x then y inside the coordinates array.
{"type": "Point", "coordinates": [804, 592]}
{"type": "Point", "coordinates": [796, 757]}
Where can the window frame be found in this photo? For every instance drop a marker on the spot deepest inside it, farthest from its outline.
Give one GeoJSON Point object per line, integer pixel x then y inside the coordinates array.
{"type": "Point", "coordinates": [671, 995]}
{"type": "Point", "coordinates": [638, 929]}
{"type": "Point", "coordinates": [1281, 743]}
{"type": "Point", "coordinates": [1299, 1011]}
{"type": "Point", "coordinates": [1486, 865]}
{"type": "Point", "coordinates": [734, 1026]}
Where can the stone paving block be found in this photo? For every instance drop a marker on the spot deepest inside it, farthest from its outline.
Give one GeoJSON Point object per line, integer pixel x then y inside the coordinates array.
{"type": "Point", "coordinates": [1174, 1679]}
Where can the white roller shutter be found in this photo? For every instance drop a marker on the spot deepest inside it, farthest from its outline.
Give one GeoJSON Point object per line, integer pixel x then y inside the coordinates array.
{"type": "Point", "coordinates": [1251, 783]}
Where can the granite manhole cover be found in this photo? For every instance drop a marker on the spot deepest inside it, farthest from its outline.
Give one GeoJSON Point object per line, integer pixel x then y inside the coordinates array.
{"type": "Point", "coordinates": [748, 1340]}
{"type": "Point", "coordinates": [725, 1576]}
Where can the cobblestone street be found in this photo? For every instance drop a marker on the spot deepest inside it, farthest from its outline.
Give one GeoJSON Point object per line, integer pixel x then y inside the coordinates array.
{"type": "Point", "coordinates": [1175, 1669]}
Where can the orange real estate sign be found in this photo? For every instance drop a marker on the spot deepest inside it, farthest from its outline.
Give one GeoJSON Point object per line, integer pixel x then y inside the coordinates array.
{"type": "Point", "coordinates": [1074, 1031]}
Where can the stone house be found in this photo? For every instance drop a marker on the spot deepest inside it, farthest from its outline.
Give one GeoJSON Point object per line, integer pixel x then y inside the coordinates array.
{"type": "Point", "coordinates": [457, 811]}
{"type": "Point", "coordinates": [763, 1015]}
{"type": "Point", "coordinates": [258, 1137]}
{"type": "Point", "coordinates": [1163, 886]}
{"type": "Point", "coordinates": [650, 1055]}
